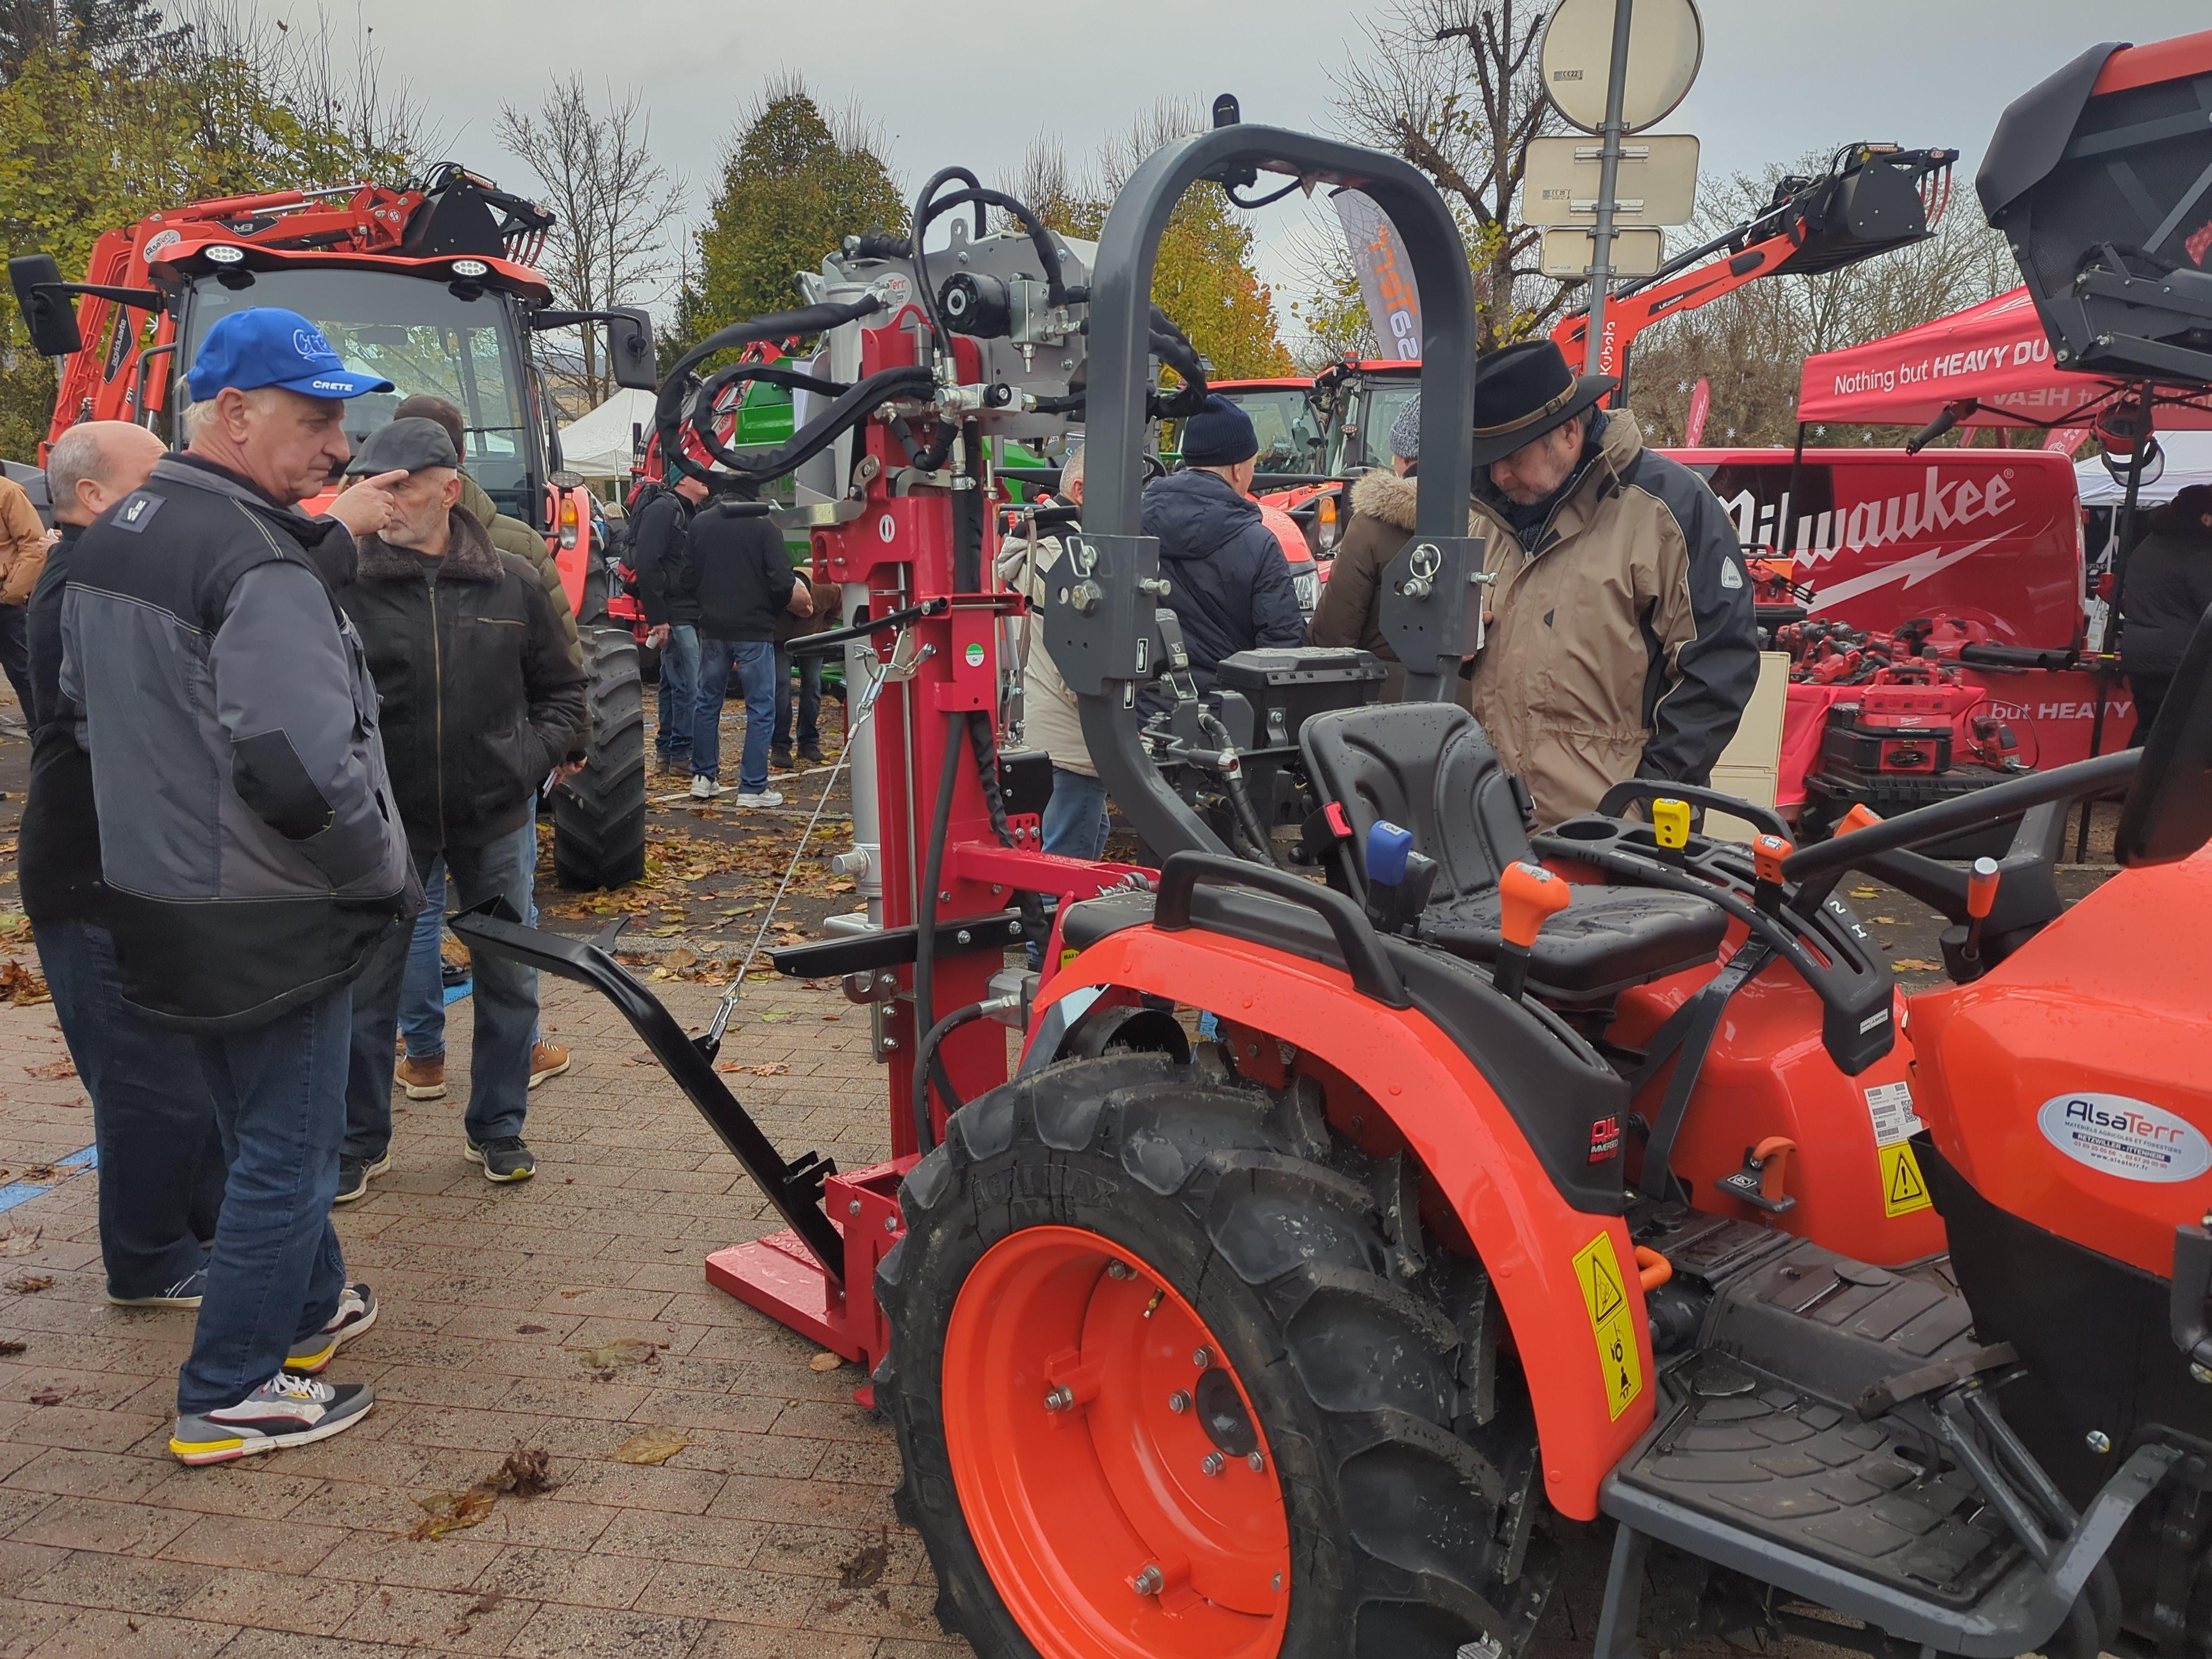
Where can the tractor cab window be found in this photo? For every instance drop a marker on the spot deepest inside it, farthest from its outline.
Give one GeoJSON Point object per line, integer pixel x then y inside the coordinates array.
{"type": "Point", "coordinates": [1280, 420]}
{"type": "Point", "coordinates": [423, 338]}
{"type": "Point", "coordinates": [1379, 410]}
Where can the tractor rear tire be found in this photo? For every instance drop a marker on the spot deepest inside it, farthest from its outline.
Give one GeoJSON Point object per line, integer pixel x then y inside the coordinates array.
{"type": "Point", "coordinates": [1065, 1199]}
{"type": "Point", "coordinates": [598, 815]}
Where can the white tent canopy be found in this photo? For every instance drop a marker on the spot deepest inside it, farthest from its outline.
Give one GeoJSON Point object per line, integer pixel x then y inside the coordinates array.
{"type": "Point", "coordinates": [2188, 461]}
{"type": "Point", "coordinates": [597, 443]}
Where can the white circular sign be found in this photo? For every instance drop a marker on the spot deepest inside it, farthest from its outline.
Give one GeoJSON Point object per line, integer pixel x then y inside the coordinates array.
{"type": "Point", "coordinates": [2125, 1137]}
{"type": "Point", "coordinates": [1666, 41]}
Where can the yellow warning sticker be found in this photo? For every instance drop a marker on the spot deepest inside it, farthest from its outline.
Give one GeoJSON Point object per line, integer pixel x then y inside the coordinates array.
{"type": "Point", "coordinates": [1597, 1269]}
{"type": "Point", "coordinates": [1903, 1187]}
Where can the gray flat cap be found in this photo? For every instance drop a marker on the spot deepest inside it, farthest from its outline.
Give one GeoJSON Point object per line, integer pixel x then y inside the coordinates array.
{"type": "Point", "coordinates": [407, 446]}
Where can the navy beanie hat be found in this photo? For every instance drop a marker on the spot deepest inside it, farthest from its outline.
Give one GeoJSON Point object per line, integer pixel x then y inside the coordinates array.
{"type": "Point", "coordinates": [1220, 434]}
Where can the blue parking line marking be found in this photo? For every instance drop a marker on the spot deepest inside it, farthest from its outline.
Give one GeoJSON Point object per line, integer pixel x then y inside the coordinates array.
{"type": "Point", "coordinates": [22, 1192]}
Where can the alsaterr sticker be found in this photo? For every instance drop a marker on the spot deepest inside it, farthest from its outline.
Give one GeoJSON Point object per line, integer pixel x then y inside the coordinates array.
{"type": "Point", "coordinates": [1890, 1106]}
{"type": "Point", "coordinates": [2124, 1137]}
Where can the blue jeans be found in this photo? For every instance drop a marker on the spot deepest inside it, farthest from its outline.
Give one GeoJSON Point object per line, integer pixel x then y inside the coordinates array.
{"type": "Point", "coordinates": [754, 662]}
{"type": "Point", "coordinates": [153, 1120]}
{"type": "Point", "coordinates": [810, 700]}
{"type": "Point", "coordinates": [505, 994]}
{"type": "Point", "coordinates": [422, 986]}
{"type": "Point", "coordinates": [1075, 820]}
{"type": "Point", "coordinates": [679, 691]}
{"type": "Point", "coordinates": [277, 1270]}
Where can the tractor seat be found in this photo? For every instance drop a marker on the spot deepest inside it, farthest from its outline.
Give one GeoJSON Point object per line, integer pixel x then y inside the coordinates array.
{"type": "Point", "coordinates": [1429, 768]}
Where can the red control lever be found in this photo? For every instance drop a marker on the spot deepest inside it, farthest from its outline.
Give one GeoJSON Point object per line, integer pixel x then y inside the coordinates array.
{"type": "Point", "coordinates": [1528, 896]}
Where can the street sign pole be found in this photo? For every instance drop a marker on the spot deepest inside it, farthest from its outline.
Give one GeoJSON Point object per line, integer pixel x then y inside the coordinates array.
{"type": "Point", "coordinates": [1601, 275]}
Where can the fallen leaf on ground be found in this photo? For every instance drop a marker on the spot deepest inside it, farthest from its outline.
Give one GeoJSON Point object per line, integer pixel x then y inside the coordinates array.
{"type": "Point", "coordinates": [824, 1362]}
{"type": "Point", "coordinates": [53, 1071]}
{"type": "Point", "coordinates": [526, 1472]}
{"type": "Point", "coordinates": [9, 1348]}
{"type": "Point", "coordinates": [766, 1068]}
{"type": "Point", "coordinates": [681, 957]}
{"type": "Point", "coordinates": [39, 1172]}
{"type": "Point", "coordinates": [20, 1241]}
{"type": "Point", "coordinates": [48, 1397]}
{"type": "Point", "coordinates": [1865, 892]}
{"type": "Point", "coordinates": [31, 1285]}
{"type": "Point", "coordinates": [1886, 921]}
{"type": "Point", "coordinates": [14, 924]}
{"type": "Point", "coordinates": [1914, 965]}
{"type": "Point", "coordinates": [622, 1351]}
{"type": "Point", "coordinates": [654, 1446]}
{"type": "Point", "coordinates": [773, 1013]}
{"type": "Point", "coordinates": [531, 1330]}
{"type": "Point", "coordinates": [865, 1565]}
{"type": "Point", "coordinates": [21, 985]}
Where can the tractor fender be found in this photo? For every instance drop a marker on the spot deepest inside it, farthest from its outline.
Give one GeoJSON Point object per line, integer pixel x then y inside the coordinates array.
{"type": "Point", "coordinates": [1590, 1405]}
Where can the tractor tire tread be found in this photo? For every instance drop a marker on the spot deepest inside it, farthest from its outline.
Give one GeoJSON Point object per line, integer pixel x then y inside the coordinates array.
{"type": "Point", "coordinates": [598, 815]}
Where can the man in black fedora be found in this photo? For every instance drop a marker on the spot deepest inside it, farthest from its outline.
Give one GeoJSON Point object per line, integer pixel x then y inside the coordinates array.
{"type": "Point", "coordinates": [1622, 641]}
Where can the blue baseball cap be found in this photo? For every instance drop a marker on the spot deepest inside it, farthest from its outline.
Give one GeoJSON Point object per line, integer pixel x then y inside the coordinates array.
{"type": "Point", "coordinates": [267, 345]}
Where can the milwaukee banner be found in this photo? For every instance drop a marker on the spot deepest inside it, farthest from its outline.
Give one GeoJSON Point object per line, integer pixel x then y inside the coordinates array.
{"type": "Point", "coordinates": [1386, 280]}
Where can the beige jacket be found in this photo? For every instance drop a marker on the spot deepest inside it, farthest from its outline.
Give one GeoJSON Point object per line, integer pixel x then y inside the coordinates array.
{"type": "Point", "coordinates": [1051, 719]}
{"type": "Point", "coordinates": [22, 545]}
{"type": "Point", "coordinates": [1350, 610]}
{"type": "Point", "coordinates": [1624, 646]}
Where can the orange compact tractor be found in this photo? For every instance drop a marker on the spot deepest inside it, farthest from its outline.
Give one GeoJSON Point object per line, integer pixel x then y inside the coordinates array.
{"type": "Point", "coordinates": [431, 286]}
{"type": "Point", "coordinates": [1370, 1224]}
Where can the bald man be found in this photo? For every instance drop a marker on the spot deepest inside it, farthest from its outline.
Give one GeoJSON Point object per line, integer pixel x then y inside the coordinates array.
{"type": "Point", "coordinates": [160, 1156]}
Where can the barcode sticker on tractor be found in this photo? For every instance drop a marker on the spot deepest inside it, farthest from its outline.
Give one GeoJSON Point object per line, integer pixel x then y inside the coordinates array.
{"type": "Point", "coordinates": [1903, 1188]}
{"type": "Point", "coordinates": [1890, 1105]}
{"type": "Point", "coordinates": [1597, 1270]}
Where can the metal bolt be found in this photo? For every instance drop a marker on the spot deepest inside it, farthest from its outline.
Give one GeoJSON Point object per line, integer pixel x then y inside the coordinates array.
{"type": "Point", "coordinates": [890, 1043]}
{"type": "Point", "coordinates": [891, 1224]}
{"type": "Point", "coordinates": [1259, 1462]}
{"type": "Point", "coordinates": [944, 895]}
{"type": "Point", "coordinates": [1202, 1358]}
{"type": "Point", "coordinates": [962, 937]}
{"type": "Point", "coordinates": [1212, 1463]}
{"type": "Point", "coordinates": [1117, 1269]}
{"type": "Point", "coordinates": [853, 1208]}
{"type": "Point", "coordinates": [2202, 1373]}
{"type": "Point", "coordinates": [1148, 1582]}
{"type": "Point", "coordinates": [1178, 1402]}
{"type": "Point", "coordinates": [2100, 1442]}
{"type": "Point", "coordinates": [1059, 1398]}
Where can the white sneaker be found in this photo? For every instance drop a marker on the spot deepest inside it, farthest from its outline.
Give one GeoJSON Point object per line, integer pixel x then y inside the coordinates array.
{"type": "Point", "coordinates": [705, 788]}
{"type": "Point", "coordinates": [764, 798]}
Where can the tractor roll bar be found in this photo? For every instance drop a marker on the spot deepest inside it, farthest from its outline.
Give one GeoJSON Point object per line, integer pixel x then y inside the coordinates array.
{"type": "Point", "coordinates": [1101, 630]}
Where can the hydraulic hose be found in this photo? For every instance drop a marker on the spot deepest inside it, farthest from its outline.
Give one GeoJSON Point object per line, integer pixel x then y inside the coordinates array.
{"type": "Point", "coordinates": [668, 408]}
{"type": "Point", "coordinates": [924, 940]}
{"type": "Point", "coordinates": [925, 1057]}
{"type": "Point", "coordinates": [887, 386]}
{"type": "Point", "coordinates": [1232, 782]}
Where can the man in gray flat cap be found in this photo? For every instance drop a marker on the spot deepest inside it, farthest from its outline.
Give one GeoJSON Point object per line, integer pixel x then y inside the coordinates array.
{"type": "Point", "coordinates": [481, 702]}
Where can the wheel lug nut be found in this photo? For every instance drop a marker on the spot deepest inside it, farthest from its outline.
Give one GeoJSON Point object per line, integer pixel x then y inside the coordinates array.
{"type": "Point", "coordinates": [1202, 1358]}
{"type": "Point", "coordinates": [1259, 1462]}
{"type": "Point", "coordinates": [1118, 1270]}
{"type": "Point", "coordinates": [1059, 1399]}
{"type": "Point", "coordinates": [1178, 1402]}
{"type": "Point", "coordinates": [1148, 1582]}
{"type": "Point", "coordinates": [1212, 1463]}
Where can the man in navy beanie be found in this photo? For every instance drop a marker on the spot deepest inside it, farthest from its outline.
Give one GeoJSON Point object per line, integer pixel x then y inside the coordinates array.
{"type": "Point", "coordinates": [1230, 583]}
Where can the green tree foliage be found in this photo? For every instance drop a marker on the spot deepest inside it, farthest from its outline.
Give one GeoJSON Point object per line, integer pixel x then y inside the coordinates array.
{"type": "Point", "coordinates": [105, 29]}
{"type": "Point", "coordinates": [92, 140]}
{"type": "Point", "coordinates": [795, 183]}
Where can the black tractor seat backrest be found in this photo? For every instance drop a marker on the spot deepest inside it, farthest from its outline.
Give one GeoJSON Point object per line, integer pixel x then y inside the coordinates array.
{"type": "Point", "coordinates": [1428, 767]}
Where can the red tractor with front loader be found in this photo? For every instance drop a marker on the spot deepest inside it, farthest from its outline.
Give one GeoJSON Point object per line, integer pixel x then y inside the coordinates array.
{"type": "Point", "coordinates": [431, 285]}
{"type": "Point", "coordinates": [1370, 1226]}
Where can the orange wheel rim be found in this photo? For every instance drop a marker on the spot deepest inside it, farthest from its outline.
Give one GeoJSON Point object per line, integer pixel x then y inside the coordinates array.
{"type": "Point", "coordinates": [1112, 1472]}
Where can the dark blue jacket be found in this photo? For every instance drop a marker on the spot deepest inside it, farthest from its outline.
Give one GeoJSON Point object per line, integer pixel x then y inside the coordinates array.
{"type": "Point", "coordinates": [1230, 584]}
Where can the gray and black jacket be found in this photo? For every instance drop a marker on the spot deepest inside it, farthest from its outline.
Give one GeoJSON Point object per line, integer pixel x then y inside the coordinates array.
{"type": "Point", "coordinates": [251, 849]}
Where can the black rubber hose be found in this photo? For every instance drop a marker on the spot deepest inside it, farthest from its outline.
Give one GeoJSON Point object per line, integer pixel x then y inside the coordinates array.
{"type": "Point", "coordinates": [982, 739]}
{"type": "Point", "coordinates": [967, 514]}
{"type": "Point", "coordinates": [926, 1060]}
{"type": "Point", "coordinates": [886, 385]}
{"type": "Point", "coordinates": [925, 940]}
{"type": "Point", "coordinates": [668, 407]}
{"type": "Point", "coordinates": [1240, 798]}
{"type": "Point", "coordinates": [925, 210]}
{"type": "Point", "coordinates": [1040, 237]}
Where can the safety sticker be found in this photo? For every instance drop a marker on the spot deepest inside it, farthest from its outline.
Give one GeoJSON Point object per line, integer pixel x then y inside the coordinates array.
{"type": "Point", "coordinates": [1890, 1105]}
{"type": "Point", "coordinates": [1597, 1269]}
{"type": "Point", "coordinates": [1903, 1188]}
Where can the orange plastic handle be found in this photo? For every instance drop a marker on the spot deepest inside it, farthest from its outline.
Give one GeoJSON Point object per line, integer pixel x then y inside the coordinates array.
{"type": "Point", "coordinates": [1982, 889]}
{"type": "Point", "coordinates": [1528, 896]}
{"type": "Point", "coordinates": [1772, 1157]}
{"type": "Point", "coordinates": [1859, 818]}
{"type": "Point", "coordinates": [1766, 855]}
{"type": "Point", "coordinates": [1652, 1269]}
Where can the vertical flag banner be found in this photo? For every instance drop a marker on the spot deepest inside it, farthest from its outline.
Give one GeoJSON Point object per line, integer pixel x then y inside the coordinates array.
{"type": "Point", "coordinates": [1701, 405]}
{"type": "Point", "coordinates": [1386, 280]}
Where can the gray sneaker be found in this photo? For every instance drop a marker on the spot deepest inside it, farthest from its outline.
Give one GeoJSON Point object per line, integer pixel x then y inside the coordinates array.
{"type": "Point", "coordinates": [184, 1293]}
{"type": "Point", "coordinates": [504, 1158]}
{"type": "Point", "coordinates": [356, 1313]}
{"type": "Point", "coordinates": [285, 1411]}
{"type": "Point", "coordinates": [758, 797]}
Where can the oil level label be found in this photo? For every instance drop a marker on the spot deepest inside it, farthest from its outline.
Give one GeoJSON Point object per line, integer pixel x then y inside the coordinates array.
{"type": "Point", "coordinates": [1890, 1105]}
{"type": "Point", "coordinates": [1597, 1269]}
{"type": "Point", "coordinates": [2124, 1137]}
{"type": "Point", "coordinates": [1903, 1188]}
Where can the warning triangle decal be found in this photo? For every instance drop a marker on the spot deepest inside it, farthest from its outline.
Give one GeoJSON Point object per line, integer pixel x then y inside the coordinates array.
{"type": "Point", "coordinates": [1905, 1183]}
{"type": "Point", "coordinates": [1604, 1291]}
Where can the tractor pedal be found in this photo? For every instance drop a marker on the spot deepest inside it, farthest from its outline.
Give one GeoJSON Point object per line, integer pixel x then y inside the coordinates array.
{"type": "Point", "coordinates": [1758, 1183]}
{"type": "Point", "coordinates": [1744, 1184]}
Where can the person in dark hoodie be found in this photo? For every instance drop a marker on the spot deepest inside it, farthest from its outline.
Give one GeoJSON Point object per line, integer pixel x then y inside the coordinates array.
{"type": "Point", "coordinates": [1230, 584]}
{"type": "Point", "coordinates": [480, 703]}
{"type": "Point", "coordinates": [2169, 589]}
{"type": "Point", "coordinates": [162, 1166]}
{"type": "Point", "coordinates": [249, 845]}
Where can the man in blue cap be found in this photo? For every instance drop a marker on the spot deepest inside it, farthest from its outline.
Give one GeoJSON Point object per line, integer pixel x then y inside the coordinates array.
{"type": "Point", "coordinates": [249, 841]}
{"type": "Point", "coordinates": [1230, 584]}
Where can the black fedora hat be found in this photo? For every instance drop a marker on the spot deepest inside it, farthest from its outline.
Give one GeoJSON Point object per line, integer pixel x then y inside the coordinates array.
{"type": "Point", "coordinates": [1524, 391]}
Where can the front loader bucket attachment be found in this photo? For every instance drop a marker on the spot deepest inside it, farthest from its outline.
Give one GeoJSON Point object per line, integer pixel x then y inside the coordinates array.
{"type": "Point", "coordinates": [793, 1187]}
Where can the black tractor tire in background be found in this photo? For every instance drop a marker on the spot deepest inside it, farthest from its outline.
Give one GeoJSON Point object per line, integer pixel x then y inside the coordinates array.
{"type": "Point", "coordinates": [1401, 1544]}
{"type": "Point", "coordinates": [598, 815]}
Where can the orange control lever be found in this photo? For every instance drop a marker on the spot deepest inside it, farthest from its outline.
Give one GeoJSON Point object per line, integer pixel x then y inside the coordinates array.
{"type": "Point", "coordinates": [1861, 816]}
{"type": "Point", "coordinates": [1981, 898]}
{"type": "Point", "coordinates": [1528, 896]}
{"type": "Point", "coordinates": [1767, 853]}
{"type": "Point", "coordinates": [1652, 1269]}
{"type": "Point", "coordinates": [1771, 1155]}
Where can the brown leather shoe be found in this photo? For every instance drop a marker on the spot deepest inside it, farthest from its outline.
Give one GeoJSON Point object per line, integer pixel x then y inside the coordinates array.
{"type": "Point", "coordinates": [547, 1060]}
{"type": "Point", "coordinates": [423, 1079]}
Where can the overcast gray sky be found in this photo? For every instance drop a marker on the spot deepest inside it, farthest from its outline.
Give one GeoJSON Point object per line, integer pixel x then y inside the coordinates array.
{"type": "Point", "coordinates": [974, 85]}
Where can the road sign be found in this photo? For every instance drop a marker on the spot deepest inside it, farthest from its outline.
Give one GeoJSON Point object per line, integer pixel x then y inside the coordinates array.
{"type": "Point", "coordinates": [1573, 253]}
{"type": "Point", "coordinates": [1666, 42]}
{"type": "Point", "coordinates": [1657, 185]}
